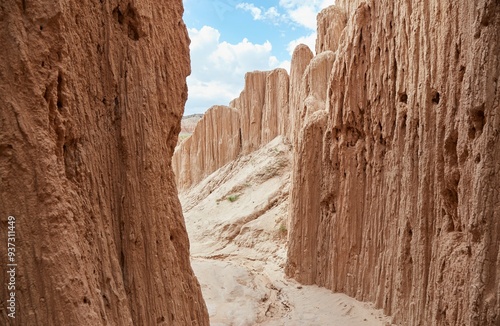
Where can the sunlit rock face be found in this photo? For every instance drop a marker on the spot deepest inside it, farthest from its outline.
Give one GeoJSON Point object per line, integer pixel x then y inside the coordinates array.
{"type": "Point", "coordinates": [394, 194]}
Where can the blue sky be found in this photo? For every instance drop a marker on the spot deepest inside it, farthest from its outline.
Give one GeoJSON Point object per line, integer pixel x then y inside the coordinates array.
{"type": "Point", "coordinates": [232, 37]}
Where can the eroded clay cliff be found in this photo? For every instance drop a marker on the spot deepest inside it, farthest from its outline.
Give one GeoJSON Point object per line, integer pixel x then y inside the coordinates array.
{"type": "Point", "coordinates": [216, 140]}
{"type": "Point", "coordinates": [263, 106]}
{"type": "Point", "coordinates": [330, 24]}
{"type": "Point", "coordinates": [91, 97]}
{"type": "Point", "coordinates": [251, 121]}
{"type": "Point", "coordinates": [395, 190]}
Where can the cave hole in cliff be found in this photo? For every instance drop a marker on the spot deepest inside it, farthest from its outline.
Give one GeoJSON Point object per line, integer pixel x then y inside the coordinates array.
{"type": "Point", "coordinates": [46, 94]}
{"type": "Point", "coordinates": [130, 18]}
{"type": "Point", "coordinates": [477, 119]}
{"type": "Point", "coordinates": [106, 300]}
{"type": "Point", "coordinates": [122, 260]}
{"type": "Point", "coordinates": [403, 98]}
{"type": "Point", "coordinates": [410, 231]}
{"type": "Point", "coordinates": [133, 33]}
{"type": "Point", "coordinates": [403, 121]}
{"type": "Point", "coordinates": [132, 22]}
{"type": "Point", "coordinates": [117, 13]}
{"type": "Point", "coordinates": [461, 73]}
{"type": "Point", "coordinates": [6, 149]}
{"type": "Point", "coordinates": [59, 90]}
{"type": "Point", "coordinates": [471, 132]}
{"type": "Point", "coordinates": [435, 96]}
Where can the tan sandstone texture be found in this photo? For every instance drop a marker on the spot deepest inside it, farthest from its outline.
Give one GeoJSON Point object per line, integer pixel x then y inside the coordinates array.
{"type": "Point", "coordinates": [331, 22]}
{"type": "Point", "coordinates": [263, 106]}
{"type": "Point", "coordinates": [395, 190]}
{"type": "Point", "coordinates": [216, 140]}
{"type": "Point", "coordinates": [91, 97]}
{"type": "Point", "coordinates": [251, 121]}
{"type": "Point", "coordinates": [301, 58]}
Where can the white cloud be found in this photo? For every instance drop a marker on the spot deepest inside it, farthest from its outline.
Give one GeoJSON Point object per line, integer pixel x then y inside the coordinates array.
{"type": "Point", "coordinates": [256, 12]}
{"type": "Point", "coordinates": [309, 40]}
{"type": "Point", "coordinates": [304, 13]}
{"type": "Point", "coordinates": [218, 68]}
{"type": "Point", "coordinates": [273, 61]}
{"type": "Point", "coordinates": [305, 16]}
{"type": "Point", "coordinates": [285, 65]}
{"type": "Point", "coordinates": [270, 14]}
{"type": "Point", "coordinates": [296, 12]}
{"type": "Point", "coordinates": [207, 36]}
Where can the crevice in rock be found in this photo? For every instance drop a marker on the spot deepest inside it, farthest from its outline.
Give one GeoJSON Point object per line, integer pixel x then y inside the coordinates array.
{"type": "Point", "coordinates": [59, 101]}
{"type": "Point", "coordinates": [130, 21]}
{"type": "Point", "coordinates": [117, 13]}
{"type": "Point", "coordinates": [477, 121]}
{"type": "Point", "coordinates": [450, 148]}
{"type": "Point", "coordinates": [435, 96]}
{"type": "Point", "coordinates": [403, 98]}
{"type": "Point", "coordinates": [72, 159]}
{"type": "Point", "coordinates": [6, 150]}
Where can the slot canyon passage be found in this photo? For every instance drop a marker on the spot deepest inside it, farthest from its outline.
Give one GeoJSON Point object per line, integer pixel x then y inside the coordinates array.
{"type": "Point", "coordinates": [360, 188]}
{"type": "Point", "coordinates": [370, 170]}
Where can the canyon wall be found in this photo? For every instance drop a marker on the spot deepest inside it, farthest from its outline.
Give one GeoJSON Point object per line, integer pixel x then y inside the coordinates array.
{"type": "Point", "coordinates": [251, 121]}
{"type": "Point", "coordinates": [395, 129]}
{"type": "Point", "coordinates": [216, 140]}
{"type": "Point", "coordinates": [395, 191]}
{"type": "Point", "coordinates": [91, 97]}
{"type": "Point", "coordinates": [263, 106]}
{"type": "Point", "coordinates": [330, 24]}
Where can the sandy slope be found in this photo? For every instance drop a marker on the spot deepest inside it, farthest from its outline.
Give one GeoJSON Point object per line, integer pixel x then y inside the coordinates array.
{"type": "Point", "coordinates": [236, 223]}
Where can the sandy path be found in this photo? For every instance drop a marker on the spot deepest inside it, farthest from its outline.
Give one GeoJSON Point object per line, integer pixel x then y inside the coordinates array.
{"type": "Point", "coordinates": [236, 224]}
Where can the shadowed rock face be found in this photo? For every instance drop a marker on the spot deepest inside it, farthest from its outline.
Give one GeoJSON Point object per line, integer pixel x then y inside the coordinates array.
{"type": "Point", "coordinates": [403, 209]}
{"type": "Point", "coordinates": [91, 97]}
